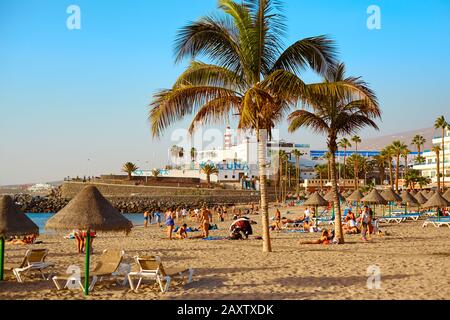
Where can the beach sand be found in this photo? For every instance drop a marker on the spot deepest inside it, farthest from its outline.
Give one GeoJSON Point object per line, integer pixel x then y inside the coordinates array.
{"type": "Point", "coordinates": [414, 264]}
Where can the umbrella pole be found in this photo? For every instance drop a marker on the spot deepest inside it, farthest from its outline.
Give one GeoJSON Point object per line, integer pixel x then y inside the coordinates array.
{"type": "Point", "coordinates": [2, 255]}
{"type": "Point", "coordinates": [86, 271]}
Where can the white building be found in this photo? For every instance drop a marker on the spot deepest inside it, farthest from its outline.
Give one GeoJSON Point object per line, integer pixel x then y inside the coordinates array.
{"type": "Point", "coordinates": [428, 168]}
{"type": "Point", "coordinates": [236, 160]}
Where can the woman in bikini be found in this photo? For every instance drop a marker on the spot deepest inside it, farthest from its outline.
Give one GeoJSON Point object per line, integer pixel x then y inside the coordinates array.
{"type": "Point", "coordinates": [170, 223]}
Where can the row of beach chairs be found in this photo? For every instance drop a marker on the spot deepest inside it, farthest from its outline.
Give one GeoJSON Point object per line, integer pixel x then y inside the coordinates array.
{"type": "Point", "coordinates": [109, 266]}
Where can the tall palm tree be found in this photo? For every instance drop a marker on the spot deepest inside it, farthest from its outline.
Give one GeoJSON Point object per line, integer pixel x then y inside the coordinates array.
{"type": "Point", "coordinates": [344, 144]}
{"type": "Point", "coordinates": [437, 150]}
{"type": "Point", "coordinates": [380, 161]}
{"type": "Point", "coordinates": [398, 148]}
{"type": "Point", "coordinates": [327, 156]}
{"type": "Point", "coordinates": [418, 141]}
{"type": "Point", "coordinates": [193, 154]}
{"type": "Point", "coordinates": [339, 114]}
{"type": "Point", "coordinates": [283, 162]}
{"type": "Point", "coordinates": [405, 154]}
{"type": "Point", "coordinates": [356, 140]}
{"type": "Point", "coordinates": [209, 170]}
{"type": "Point", "coordinates": [321, 171]}
{"type": "Point", "coordinates": [156, 173]}
{"type": "Point", "coordinates": [442, 124]}
{"type": "Point", "coordinates": [249, 74]}
{"type": "Point", "coordinates": [129, 168]}
{"type": "Point", "coordinates": [388, 154]}
{"type": "Point", "coordinates": [297, 154]}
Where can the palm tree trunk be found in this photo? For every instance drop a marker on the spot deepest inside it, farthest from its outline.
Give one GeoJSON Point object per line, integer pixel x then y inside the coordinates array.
{"type": "Point", "coordinates": [262, 146]}
{"type": "Point", "coordinates": [345, 164]}
{"type": "Point", "coordinates": [443, 160]}
{"type": "Point", "coordinates": [438, 173]}
{"type": "Point", "coordinates": [339, 234]}
{"type": "Point", "coordinates": [382, 174]}
{"type": "Point", "coordinates": [355, 169]}
{"type": "Point", "coordinates": [397, 172]}
{"type": "Point", "coordinates": [208, 180]}
{"type": "Point", "coordinates": [391, 174]}
{"type": "Point", "coordinates": [297, 173]}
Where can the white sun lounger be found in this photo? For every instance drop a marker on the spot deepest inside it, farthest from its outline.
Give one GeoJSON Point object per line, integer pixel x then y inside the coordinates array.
{"type": "Point", "coordinates": [444, 221]}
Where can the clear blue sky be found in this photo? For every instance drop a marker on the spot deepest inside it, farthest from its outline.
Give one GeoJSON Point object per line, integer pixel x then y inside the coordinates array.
{"type": "Point", "coordinates": [71, 95]}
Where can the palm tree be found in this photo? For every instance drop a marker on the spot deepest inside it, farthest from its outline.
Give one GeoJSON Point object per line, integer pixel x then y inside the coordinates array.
{"type": "Point", "coordinates": [437, 150]}
{"type": "Point", "coordinates": [283, 159]}
{"type": "Point", "coordinates": [442, 124]}
{"type": "Point", "coordinates": [129, 168]}
{"type": "Point", "coordinates": [321, 171]}
{"type": "Point", "coordinates": [249, 75]}
{"type": "Point", "coordinates": [356, 140]}
{"type": "Point", "coordinates": [209, 170]}
{"type": "Point", "coordinates": [398, 148]}
{"type": "Point", "coordinates": [193, 154]}
{"type": "Point", "coordinates": [380, 161]}
{"type": "Point", "coordinates": [339, 114]}
{"type": "Point", "coordinates": [297, 154]}
{"type": "Point", "coordinates": [405, 155]}
{"type": "Point", "coordinates": [327, 156]}
{"type": "Point", "coordinates": [388, 154]}
{"type": "Point", "coordinates": [344, 143]}
{"type": "Point", "coordinates": [418, 141]}
{"type": "Point", "coordinates": [156, 173]}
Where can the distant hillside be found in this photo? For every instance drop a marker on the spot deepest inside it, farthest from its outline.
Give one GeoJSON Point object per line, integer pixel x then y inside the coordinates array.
{"type": "Point", "coordinates": [379, 143]}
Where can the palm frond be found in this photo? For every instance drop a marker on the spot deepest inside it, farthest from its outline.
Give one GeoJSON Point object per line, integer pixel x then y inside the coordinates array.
{"type": "Point", "coordinates": [303, 118]}
{"type": "Point", "coordinates": [318, 53]}
{"type": "Point", "coordinates": [172, 105]}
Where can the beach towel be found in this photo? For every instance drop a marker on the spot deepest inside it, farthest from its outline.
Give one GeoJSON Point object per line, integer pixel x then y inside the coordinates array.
{"type": "Point", "coordinates": [296, 231]}
{"type": "Point", "coordinates": [214, 238]}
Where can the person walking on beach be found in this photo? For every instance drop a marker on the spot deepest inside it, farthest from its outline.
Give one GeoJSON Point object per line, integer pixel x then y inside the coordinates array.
{"type": "Point", "coordinates": [205, 217]}
{"type": "Point", "coordinates": [146, 217]}
{"type": "Point", "coordinates": [170, 223]}
{"type": "Point", "coordinates": [278, 219]}
{"type": "Point", "coordinates": [157, 217]}
{"type": "Point", "coordinates": [365, 221]}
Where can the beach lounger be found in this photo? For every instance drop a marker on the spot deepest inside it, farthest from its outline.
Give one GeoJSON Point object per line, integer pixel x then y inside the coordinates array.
{"type": "Point", "coordinates": [107, 267]}
{"type": "Point", "coordinates": [34, 260]}
{"type": "Point", "coordinates": [152, 268]}
{"type": "Point", "coordinates": [444, 221]}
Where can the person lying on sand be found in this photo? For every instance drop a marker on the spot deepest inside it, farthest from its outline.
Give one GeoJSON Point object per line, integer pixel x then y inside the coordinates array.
{"type": "Point", "coordinates": [326, 238]}
{"type": "Point", "coordinates": [30, 239]}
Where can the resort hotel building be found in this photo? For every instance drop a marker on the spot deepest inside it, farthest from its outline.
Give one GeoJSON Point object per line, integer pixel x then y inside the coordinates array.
{"type": "Point", "coordinates": [428, 167]}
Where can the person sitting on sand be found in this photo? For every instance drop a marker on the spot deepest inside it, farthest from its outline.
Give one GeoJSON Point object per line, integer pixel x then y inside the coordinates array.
{"type": "Point", "coordinates": [350, 226]}
{"type": "Point", "coordinates": [182, 232]}
{"type": "Point", "coordinates": [244, 225]}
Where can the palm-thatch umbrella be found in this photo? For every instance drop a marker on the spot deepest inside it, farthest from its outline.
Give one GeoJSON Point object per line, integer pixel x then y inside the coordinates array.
{"type": "Point", "coordinates": [374, 197]}
{"type": "Point", "coordinates": [408, 199]}
{"type": "Point", "coordinates": [420, 198]}
{"type": "Point", "coordinates": [390, 197]}
{"type": "Point", "coordinates": [356, 196]}
{"type": "Point", "coordinates": [13, 222]}
{"type": "Point", "coordinates": [447, 195]}
{"type": "Point", "coordinates": [430, 194]}
{"type": "Point", "coordinates": [316, 200]}
{"type": "Point", "coordinates": [87, 211]}
{"type": "Point", "coordinates": [437, 201]}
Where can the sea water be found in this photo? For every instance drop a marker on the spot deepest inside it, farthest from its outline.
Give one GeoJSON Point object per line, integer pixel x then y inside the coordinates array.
{"type": "Point", "coordinates": [41, 219]}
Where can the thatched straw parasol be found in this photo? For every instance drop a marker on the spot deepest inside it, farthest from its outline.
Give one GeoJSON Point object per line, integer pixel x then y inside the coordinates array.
{"type": "Point", "coordinates": [408, 200]}
{"type": "Point", "coordinates": [316, 200]}
{"type": "Point", "coordinates": [87, 211]}
{"type": "Point", "coordinates": [437, 201]}
{"type": "Point", "coordinates": [13, 222]}
{"type": "Point", "coordinates": [429, 195]}
{"type": "Point", "coordinates": [447, 195]}
{"type": "Point", "coordinates": [390, 196]}
{"type": "Point", "coordinates": [355, 196]}
{"type": "Point", "coordinates": [374, 197]}
{"type": "Point", "coordinates": [420, 198]}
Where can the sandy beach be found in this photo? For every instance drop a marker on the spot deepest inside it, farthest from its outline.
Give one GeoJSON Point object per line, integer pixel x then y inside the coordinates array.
{"type": "Point", "coordinates": [414, 263]}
